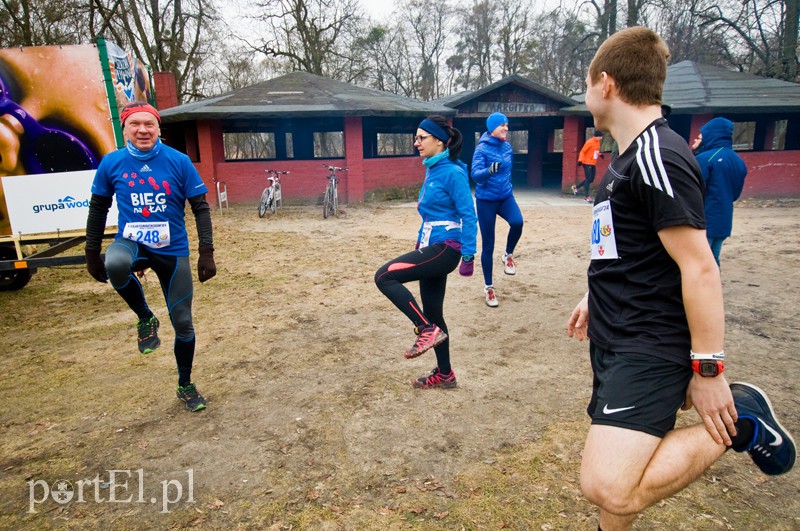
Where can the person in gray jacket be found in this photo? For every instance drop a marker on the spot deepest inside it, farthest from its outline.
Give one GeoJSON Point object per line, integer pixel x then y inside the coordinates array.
{"type": "Point", "coordinates": [494, 196]}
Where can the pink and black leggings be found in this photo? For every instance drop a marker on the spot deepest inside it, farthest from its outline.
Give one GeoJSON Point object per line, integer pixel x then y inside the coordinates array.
{"type": "Point", "coordinates": [430, 266]}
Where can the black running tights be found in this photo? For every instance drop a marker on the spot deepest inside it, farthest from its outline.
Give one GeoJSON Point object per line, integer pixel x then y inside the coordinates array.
{"type": "Point", "coordinates": [430, 266]}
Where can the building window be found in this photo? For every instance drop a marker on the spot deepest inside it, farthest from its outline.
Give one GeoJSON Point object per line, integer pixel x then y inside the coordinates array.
{"type": "Point", "coordinates": [558, 141]}
{"type": "Point", "coordinates": [289, 146]}
{"type": "Point", "coordinates": [328, 144]}
{"type": "Point", "coordinates": [395, 144]}
{"type": "Point", "coordinates": [248, 146]}
{"type": "Point", "coordinates": [743, 135]}
{"type": "Point", "coordinates": [519, 141]}
{"type": "Point", "coordinates": [779, 135]}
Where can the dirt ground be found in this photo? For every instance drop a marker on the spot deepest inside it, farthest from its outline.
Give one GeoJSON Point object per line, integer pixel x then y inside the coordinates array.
{"type": "Point", "coordinates": [312, 422]}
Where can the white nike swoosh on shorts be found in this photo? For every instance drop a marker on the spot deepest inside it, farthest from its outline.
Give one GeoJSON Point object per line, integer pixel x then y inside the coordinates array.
{"type": "Point", "coordinates": [610, 411]}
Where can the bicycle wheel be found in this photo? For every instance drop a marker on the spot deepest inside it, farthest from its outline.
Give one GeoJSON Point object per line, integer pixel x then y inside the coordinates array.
{"type": "Point", "coordinates": [326, 203]}
{"type": "Point", "coordinates": [262, 205]}
{"type": "Point", "coordinates": [271, 203]}
{"type": "Point", "coordinates": [335, 201]}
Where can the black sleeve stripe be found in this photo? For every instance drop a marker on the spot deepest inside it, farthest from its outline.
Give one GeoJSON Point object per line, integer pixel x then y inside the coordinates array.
{"type": "Point", "coordinates": [649, 161]}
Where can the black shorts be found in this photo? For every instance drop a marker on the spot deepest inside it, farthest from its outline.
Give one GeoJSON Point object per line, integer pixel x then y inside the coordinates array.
{"type": "Point", "coordinates": [636, 391]}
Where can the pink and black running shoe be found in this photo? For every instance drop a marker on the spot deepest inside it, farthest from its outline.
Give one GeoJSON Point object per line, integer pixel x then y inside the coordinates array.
{"type": "Point", "coordinates": [436, 379]}
{"type": "Point", "coordinates": [427, 337]}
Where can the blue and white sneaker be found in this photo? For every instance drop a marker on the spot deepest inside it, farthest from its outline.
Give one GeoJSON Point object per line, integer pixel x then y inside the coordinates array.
{"type": "Point", "coordinates": [772, 449]}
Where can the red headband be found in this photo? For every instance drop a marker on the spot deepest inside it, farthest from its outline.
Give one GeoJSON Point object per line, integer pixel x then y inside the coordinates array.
{"type": "Point", "coordinates": [138, 106]}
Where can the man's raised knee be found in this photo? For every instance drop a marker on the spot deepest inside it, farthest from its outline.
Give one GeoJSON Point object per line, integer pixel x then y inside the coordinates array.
{"type": "Point", "coordinates": [609, 497]}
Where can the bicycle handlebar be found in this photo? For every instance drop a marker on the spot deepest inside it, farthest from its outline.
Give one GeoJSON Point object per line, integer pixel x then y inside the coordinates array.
{"type": "Point", "coordinates": [275, 172]}
{"type": "Point", "coordinates": [333, 168]}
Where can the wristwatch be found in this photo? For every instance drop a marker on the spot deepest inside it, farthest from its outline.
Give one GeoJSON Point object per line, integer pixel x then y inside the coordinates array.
{"type": "Point", "coordinates": [708, 368]}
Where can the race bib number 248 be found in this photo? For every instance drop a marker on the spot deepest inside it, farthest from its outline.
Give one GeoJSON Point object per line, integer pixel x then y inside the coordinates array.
{"type": "Point", "coordinates": [150, 234]}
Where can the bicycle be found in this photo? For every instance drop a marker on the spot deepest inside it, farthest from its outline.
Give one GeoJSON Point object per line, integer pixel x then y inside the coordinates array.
{"type": "Point", "coordinates": [271, 195]}
{"type": "Point", "coordinates": [330, 204]}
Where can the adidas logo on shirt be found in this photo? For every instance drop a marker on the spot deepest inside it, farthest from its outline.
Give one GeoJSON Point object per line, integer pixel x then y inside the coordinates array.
{"type": "Point", "coordinates": [145, 168]}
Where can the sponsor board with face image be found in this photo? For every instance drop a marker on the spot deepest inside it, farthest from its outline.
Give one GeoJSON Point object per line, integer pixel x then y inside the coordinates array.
{"type": "Point", "coordinates": [59, 115]}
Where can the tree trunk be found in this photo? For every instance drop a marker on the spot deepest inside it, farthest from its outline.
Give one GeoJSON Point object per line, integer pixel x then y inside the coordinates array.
{"type": "Point", "coordinates": [789, 48]}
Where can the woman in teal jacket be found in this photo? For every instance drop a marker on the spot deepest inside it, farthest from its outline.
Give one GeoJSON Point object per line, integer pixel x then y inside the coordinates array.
{"type": "Point", "coordinates": [447, 234]}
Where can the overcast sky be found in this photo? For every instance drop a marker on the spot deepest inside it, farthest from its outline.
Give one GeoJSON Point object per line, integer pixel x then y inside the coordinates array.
{"type": "Point", "coordinates": [378, 9]}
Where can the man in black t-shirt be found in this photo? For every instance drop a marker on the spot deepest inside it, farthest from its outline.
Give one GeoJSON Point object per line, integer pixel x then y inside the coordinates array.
{"type": "Point", "coordinates": [635, 286]}
{"type": "Point", "coordinates": [655, 301]}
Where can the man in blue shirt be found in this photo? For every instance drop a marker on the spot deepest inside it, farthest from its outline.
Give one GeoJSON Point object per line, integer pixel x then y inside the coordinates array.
{"type": "Point", "coordinates": [152, 183]}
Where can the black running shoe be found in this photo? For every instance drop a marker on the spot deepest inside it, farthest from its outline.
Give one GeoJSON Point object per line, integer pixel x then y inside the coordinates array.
{"type": "Point", "coordinates": [194, 401]}
{"type": "Point", "coordinates": [148, 335]}
{"type": "Point", "coordinates": [772, 447]}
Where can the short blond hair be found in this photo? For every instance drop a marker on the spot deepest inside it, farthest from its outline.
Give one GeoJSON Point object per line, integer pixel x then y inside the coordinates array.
{"type": "Point", "coordinates": [636, 58]}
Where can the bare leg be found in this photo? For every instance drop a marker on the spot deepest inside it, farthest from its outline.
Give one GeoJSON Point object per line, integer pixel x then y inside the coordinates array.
{"type": "Point", "coordinates": [624, 471]}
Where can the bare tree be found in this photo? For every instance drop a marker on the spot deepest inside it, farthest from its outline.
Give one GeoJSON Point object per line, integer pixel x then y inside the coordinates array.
{"type": "Point", "coordinates": [515, 39]}
{"type": "Point", "coordinates": [388, 60]}
{"type": "Point", "coordinates": [169, 35]}
{"type": "Point", "coordinates": [789, 59]}
{"type": "Point", "coordinates": [563, 49]}
{"type": "Point", "coordinates": [679, 25]}
{"type": "Point", "coordinates": [234, 68]}
{"type": "Point", "coordinates": [634, 16]}
{"type": "Point", "coordinates": [477, 25]}
{"type": "Point", "coordinates": [311, 35]}
{"type": "Point", "coordinates": [605, 12]}
{"type": "Point", "coordinates": [40, 23]}
{"type": "Point", "coordinates": [426, 25]}
{"type": "Point", "coordinates": [766, 29]}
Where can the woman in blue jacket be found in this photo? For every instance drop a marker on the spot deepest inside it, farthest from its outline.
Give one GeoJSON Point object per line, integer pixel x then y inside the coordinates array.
{"type": "Point", "coordinates": [491, 170]}
{"type": "Point", "coordinates": [447, 235]}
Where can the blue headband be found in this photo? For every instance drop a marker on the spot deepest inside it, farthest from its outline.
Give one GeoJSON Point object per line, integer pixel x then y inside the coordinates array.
{"type": "Point", "coordinates": [434, 129]}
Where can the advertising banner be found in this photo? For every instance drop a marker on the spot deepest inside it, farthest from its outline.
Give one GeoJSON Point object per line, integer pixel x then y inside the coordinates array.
{"type": "Point", "coordinates": [58, 114]}
{"type": "Point", "coordinates": [127, 79]}
{"type": "Point", "coordinates": [51, 202]}
{"type": "Point", "coordinates": [129, 76]}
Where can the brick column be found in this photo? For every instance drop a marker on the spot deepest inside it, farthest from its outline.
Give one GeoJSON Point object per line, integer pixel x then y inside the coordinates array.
{"type": "Point", "coordinates": [166, 90]}
{"type": "Point", "coordinates": [212, 152]}
{"type": "Point", "coordinates": [573, 138]}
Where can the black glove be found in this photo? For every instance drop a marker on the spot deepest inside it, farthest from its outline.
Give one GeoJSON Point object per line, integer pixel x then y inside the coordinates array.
{"type": "Point", "coordinates": [95, 265]}
{"type": "Point", "coordinates": [206, 268]}
{"type": "Point", "coordinates": [494, 167]}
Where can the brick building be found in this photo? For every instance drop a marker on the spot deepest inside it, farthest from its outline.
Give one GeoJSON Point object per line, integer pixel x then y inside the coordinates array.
{"type": "Point", "coordinates": [300, 122]}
